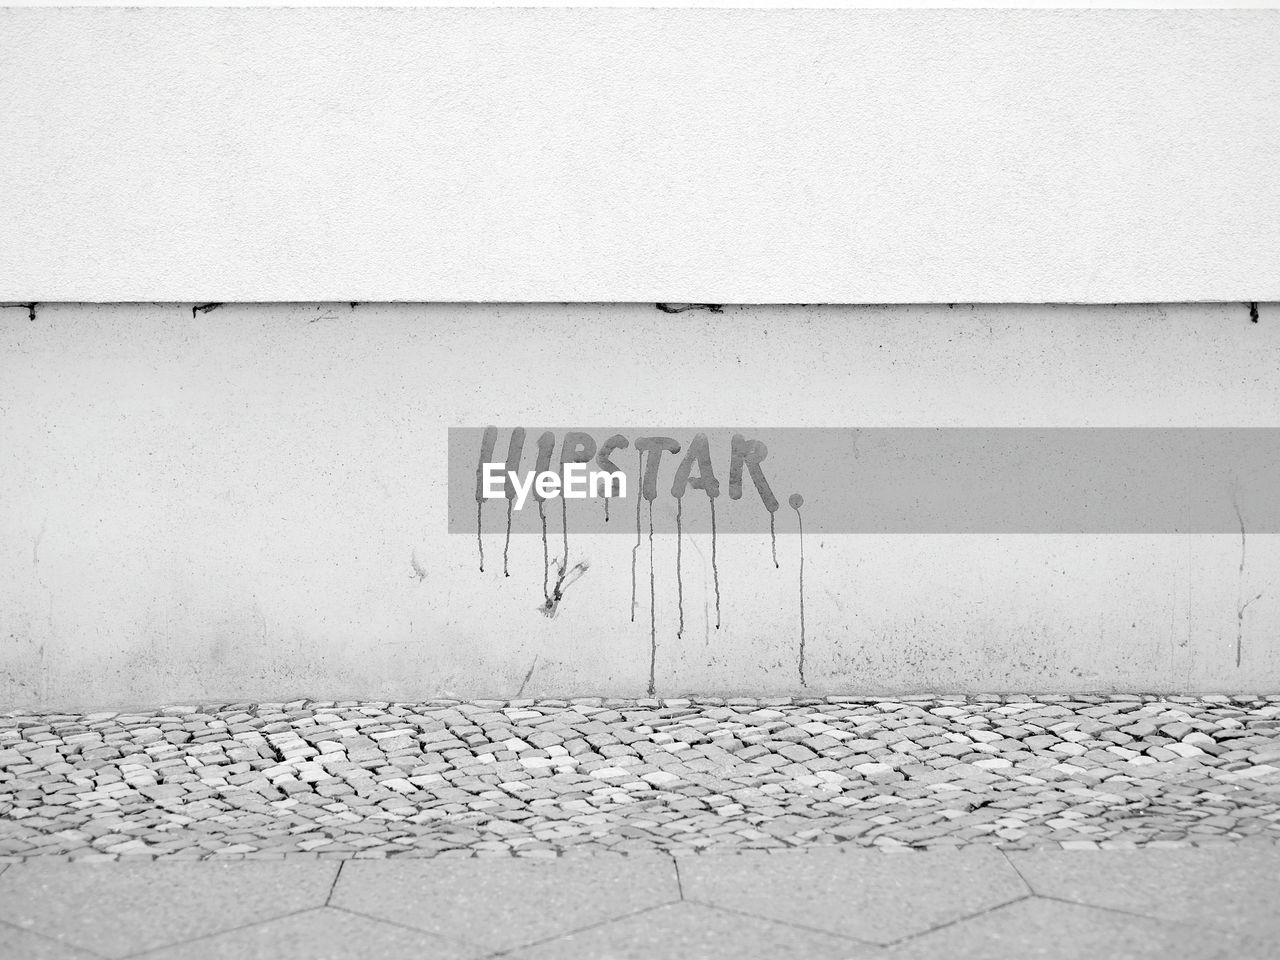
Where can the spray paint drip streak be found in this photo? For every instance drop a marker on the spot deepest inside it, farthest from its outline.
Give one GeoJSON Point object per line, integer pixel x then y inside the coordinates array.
{"type": "Point", "coordinates": [506, 547]}
{"type": "Point", "coordinates": [653, 613]}
{"type": "Point", "coordinates": [546, 557]}
{"type": "Point", "coordinates": [480, 531]}
{"type": "Point", "coordinates": [773, 540]}
{"type": "Point", "coordinates": [679, 573]}
{"type": "Point", "coordinates": [715, 569]}
{"type": "Point", "coordinates": [564, 526]}
{"type": "Point", "coordinates": [797, 502]}
{"type": "Point", "coordinates": [636, 548]}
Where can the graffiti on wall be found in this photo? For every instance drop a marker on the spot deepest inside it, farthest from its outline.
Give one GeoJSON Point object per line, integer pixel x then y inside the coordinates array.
{"type": "Point", "coordinates": [854, 481]}
{"type": "Point", "coordinates": [579, 467]}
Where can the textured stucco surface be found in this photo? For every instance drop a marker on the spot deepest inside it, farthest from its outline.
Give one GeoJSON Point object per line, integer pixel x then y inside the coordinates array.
{"type": "Point", "coordinates": [857, 156]}
{"type": "Point", "coordinates": [249, 502]}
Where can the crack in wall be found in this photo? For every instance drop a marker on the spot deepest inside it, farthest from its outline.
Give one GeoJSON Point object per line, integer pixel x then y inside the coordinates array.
{"type": "Point", "coordinates": [525, 681]}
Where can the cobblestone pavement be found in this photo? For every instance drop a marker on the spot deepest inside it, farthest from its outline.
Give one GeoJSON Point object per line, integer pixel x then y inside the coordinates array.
{"type": "Point", "coordinates": [548, 778]}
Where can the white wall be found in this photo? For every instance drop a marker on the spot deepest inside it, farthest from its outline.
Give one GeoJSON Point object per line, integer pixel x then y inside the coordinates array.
{"type": "Point", "coordinates": [863, 156]}
{"type": "Point", "coordinates": [231, 504]}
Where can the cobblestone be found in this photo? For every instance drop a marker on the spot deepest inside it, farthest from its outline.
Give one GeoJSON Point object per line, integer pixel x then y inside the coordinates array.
{"type": "Point", "coordinates": [530, 778]}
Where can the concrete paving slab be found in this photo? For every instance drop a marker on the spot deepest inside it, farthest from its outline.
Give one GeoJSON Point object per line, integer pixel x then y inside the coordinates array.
{"type": "Point", "coordinates": [321, 934]}
{"type": "Point", "coordinates": [1234, 888]}
{"type": "Point", "coordinates": [863, 894]}
{"type": "Point", "coordinates": [690, 931]}
{"type": "Point", "coordinates": [117, 909]}
{"type": "Point", "coordinates": [1053, 930]}
{"type": "Point", "coordinates": [502, 904]}
{"type": "Point", "coordinates": [18, 944]}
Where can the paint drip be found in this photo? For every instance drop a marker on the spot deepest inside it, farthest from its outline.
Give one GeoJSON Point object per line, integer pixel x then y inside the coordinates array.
{"type": "Point", "coordinates": [679, 574]}
{"type": "Point", "coordinates": [653, 612]}
{"type": "Point", "coordinates": [564, 526]}
{"type": "Point", "coordinates": [506, 547]}
{"type": "Point", "coordinates": [797, 502]}
{"type": "Point", "coordinates": [546, 559]}
{"type": "Point", "coordinates": [636, 548]}
{"type": "Point", "coordinates": [715, 569]}
{"type": "Point", "coordinates": [773, 540]}
{"type": "Point", "coordinates": [486, 453]}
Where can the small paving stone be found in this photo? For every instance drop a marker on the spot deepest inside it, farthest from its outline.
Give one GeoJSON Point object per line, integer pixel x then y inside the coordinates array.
{"type": "Point", "coordinates": [592, 777]}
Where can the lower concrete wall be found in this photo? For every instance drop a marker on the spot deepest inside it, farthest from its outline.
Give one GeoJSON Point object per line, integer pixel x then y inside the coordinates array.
{"type": "Point", "coordinates": [249, 502]}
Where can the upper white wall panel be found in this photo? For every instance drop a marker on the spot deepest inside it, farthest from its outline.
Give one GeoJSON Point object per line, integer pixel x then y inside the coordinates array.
{"type": "Point", "coordinates": [640, 155]}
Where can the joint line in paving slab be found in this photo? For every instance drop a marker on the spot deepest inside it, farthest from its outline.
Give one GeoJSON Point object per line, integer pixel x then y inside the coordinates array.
{"type": "Point", "coordinates": [1120, 910]}
{"type": "Point", "coordinates": [215, 933]}
{"type": "Point", "coordinates": [1014, 867]}
{"type": "Point", "coordinates": [966, 918]}
{"type": "Point", "coordinates": [337, 874]}
{"type": "Point", "coordinates": [469, 944]}
{"type": "Point", "coordinates": [780, 922]}
{"type": "Point", "coordinates": [579, 930]}
{"type": "Point", "coordinates": [45, 936]}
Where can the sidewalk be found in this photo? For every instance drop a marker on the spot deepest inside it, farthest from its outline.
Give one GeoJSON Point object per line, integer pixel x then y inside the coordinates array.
{"type": "Point", "coordinates": [831, 904]}
{"type": "Point", "coordinates": [507, 827]}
